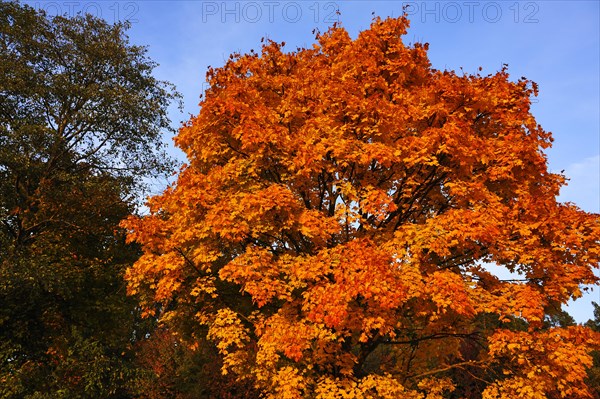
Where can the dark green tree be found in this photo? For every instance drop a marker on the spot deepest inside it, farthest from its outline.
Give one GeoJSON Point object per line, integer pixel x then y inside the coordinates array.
{"type": "Point", "coordinates": [81, 121]}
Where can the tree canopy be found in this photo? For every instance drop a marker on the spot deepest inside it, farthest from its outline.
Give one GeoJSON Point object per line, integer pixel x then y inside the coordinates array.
{"type": "Point", "coordinates": [338, 227]}
{"type": "Point", "coordinates": [81, 124]}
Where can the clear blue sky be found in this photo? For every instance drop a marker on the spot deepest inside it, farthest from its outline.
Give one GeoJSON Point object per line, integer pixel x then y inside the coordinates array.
{"type": "Point", "coordinates": [554, 43]}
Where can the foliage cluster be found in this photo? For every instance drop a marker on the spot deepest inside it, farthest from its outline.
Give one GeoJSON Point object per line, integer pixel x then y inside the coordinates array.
{"type": "Point", "coordinates": [81, 123]}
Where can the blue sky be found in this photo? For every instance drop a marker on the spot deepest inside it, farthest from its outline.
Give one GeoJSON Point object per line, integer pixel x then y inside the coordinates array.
{"type": "Point", "coordinates": [554, 43]}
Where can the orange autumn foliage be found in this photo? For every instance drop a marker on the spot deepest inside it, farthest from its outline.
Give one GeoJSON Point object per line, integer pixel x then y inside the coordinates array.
{"type": "Point", "coordinates": [339, 226]}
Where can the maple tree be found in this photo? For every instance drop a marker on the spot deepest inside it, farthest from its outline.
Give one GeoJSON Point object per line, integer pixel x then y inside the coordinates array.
{"type": "Point", "coordinates": [81, 122]}
{"type": "Point", "coordinates": [338, 230]}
